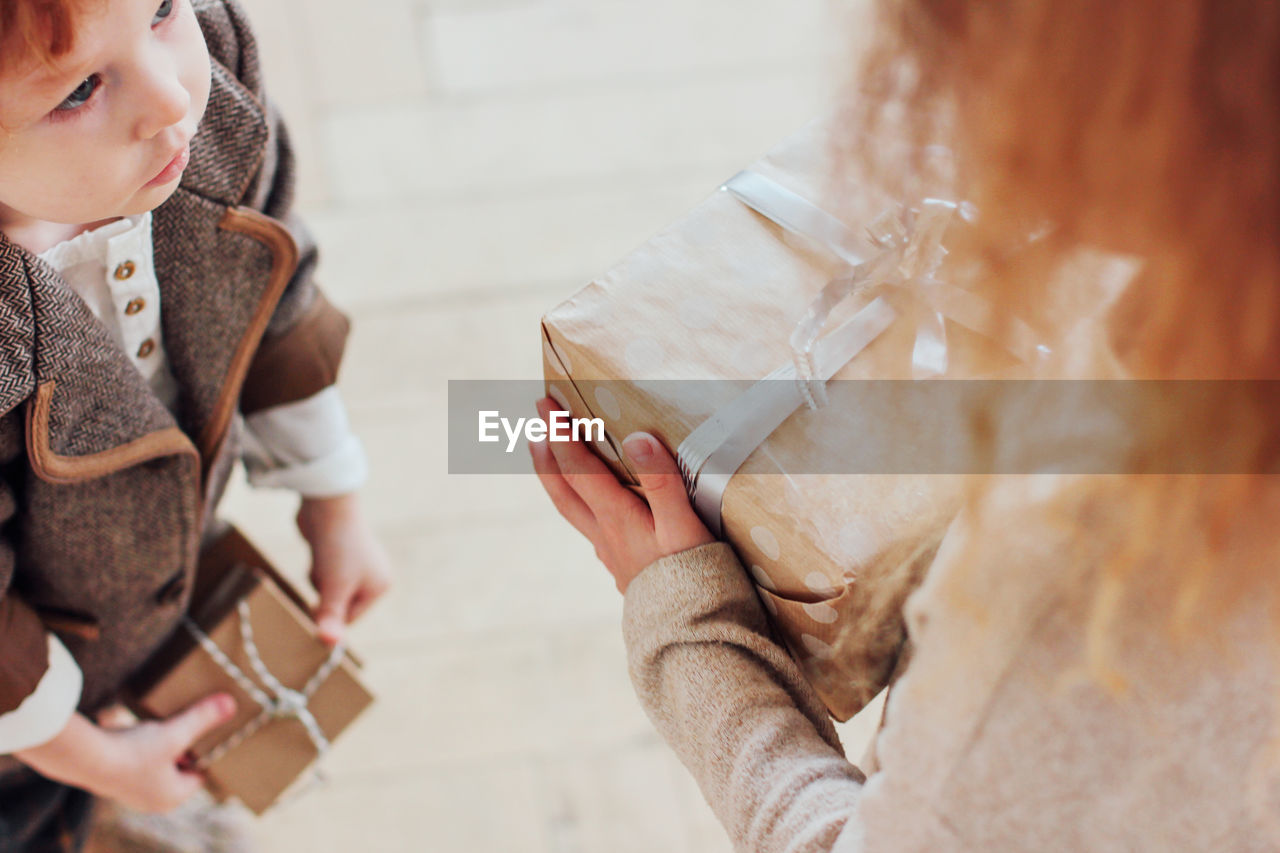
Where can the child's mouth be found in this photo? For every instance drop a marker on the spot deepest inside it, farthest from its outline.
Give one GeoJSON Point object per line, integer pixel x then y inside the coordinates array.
{"type": "Point", "coordinates": [173, 170]}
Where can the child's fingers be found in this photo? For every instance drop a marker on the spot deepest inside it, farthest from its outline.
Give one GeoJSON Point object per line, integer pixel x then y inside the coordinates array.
{"type": "Point", "coordinates": [675, 523]}
{"type": "Point", "coordinates": [186, 727]}
{"type": "Point", "coordinates": [375, 585]}
{"type": "Point", "coordinates": [186, 786]}
{"type": "Point", "coordinates": [115, 717]}
{"type": "Point", "coordinates": [360, 604]}
{"type": "Point", "coordinates": [565, 499]}
{"type": "Point", "coordinates": [335, 600]}
{"type": "Point", "coordinates": [330, 627]}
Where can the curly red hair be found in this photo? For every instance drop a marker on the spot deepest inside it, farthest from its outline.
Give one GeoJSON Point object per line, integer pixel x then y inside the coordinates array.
{"type": "Point", "coordinates": [1144, 127]}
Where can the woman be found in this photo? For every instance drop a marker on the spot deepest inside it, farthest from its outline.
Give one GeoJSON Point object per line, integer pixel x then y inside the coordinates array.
{"type": "Point", "coordinates": [1095, 658]}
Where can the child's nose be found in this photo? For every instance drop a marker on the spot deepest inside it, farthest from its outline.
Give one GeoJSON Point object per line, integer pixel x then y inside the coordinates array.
{"type": "Point", "coordinates": [165, 103]}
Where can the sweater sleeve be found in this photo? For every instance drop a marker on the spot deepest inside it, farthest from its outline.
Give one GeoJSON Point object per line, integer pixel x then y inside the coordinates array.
{"type": "Point", "coordinates": [735, 707]}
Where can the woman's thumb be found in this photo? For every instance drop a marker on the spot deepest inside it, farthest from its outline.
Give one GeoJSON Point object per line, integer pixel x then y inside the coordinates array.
{"type": "Point", "coordinates": [676, 524]}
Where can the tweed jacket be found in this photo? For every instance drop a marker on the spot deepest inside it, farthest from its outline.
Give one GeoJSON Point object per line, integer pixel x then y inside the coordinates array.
{"type": "Point", "coordinates": [106, 494]}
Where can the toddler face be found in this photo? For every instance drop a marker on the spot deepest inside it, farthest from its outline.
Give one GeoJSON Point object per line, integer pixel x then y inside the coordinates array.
{"type": "Point", "coordinates": [104, 131]}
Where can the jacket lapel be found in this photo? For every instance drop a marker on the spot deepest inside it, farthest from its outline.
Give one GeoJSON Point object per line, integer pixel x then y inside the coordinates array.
{"type": "Point", "coordinates": [211, 333]}
{"type": "Point", "coordinates": [17, 327]}
{"type": "Point", "coordinates": [230, 144]}
{"type": "Point", "coordinates": [92, 413]}
{"type": "Point", "coordinates": [202, 236]}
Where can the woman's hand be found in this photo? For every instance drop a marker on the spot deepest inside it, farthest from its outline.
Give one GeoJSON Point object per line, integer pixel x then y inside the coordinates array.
{"type": "Point", "coordinates": [628, 533]}
{"type": "Point", "coordinates": [349, 569]}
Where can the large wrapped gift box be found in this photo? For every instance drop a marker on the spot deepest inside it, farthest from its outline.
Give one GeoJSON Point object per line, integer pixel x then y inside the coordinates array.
{"type": "Point", "coordinates": [670, 340]}
{"type": "Point", "coordinates": [250, 635]}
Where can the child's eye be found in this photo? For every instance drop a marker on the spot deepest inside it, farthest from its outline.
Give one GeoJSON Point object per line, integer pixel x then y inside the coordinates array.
{"type": "Point", "coordinates": [165, 10]}
{"type": "Point", "coordinates": [81, 95]}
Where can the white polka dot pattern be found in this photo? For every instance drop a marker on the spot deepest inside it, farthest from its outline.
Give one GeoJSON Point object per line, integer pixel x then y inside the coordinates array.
{"type": "Point", "coordinates": [857, 542]}
{"type": "Point", "coordinates": [559, 362]}
{"type": "Point", "coordinates": [557, 393]}
{"type": "Point", "coordinates": [824, 613]}
{"type": "Point", "coordinates": [817, 648]}
{"type": "Point", "coordinates": [819, 584]}
{"type": "Point", "coordinates": [608, 403]}
{"type": "Point", "coordinates": [762, 578]}
{"type": "Point", "coordinates": [766, 542]}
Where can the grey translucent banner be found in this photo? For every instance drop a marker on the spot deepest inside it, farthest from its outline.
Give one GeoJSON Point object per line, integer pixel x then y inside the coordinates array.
{"type": "Point", "coordinates": [890, 426]}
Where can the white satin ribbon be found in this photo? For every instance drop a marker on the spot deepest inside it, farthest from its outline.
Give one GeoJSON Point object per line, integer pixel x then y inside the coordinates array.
{"type": "Point", "coordinates": [711, 454]}
{"type": "Point", "coordinates": [904, 250]}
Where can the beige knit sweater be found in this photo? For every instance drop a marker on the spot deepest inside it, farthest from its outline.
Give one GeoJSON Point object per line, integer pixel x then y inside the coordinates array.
{"type": "Point", "coordinates": [997, 737]}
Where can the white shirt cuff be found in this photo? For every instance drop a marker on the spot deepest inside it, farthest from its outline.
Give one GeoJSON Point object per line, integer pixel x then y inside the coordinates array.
{"type": "Point", "coordinates": [49, 708]}
{"type": "Point", "coordinates": [306, 446]}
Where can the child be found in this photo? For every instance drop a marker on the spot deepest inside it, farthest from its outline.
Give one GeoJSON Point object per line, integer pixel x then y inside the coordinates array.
{"type": "Point", "coordinates": [155, 300]}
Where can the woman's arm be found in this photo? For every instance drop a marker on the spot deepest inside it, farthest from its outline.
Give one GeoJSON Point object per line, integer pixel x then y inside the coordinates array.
{"type": "Point", "coordinates": [734, 706]}
{"type": "Point", "coordinates": [728, 699]}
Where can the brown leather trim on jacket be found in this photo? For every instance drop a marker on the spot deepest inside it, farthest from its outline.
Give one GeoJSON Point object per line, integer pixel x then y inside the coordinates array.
{"type": "Point", "coordinates": [70, 624]}
{"type": "Point", "coordinates": [55, 468]}
{"type": "Point", "coordinates": [301, 362]}
{"type": "Point", "coordinates": [284, 261]}
{"type": "Point", "coordinates": [26, 652]}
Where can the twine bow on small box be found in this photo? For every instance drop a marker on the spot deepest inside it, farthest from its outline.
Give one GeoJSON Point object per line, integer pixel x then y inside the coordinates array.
{"type": "Point", "coordinates": [277, 701]}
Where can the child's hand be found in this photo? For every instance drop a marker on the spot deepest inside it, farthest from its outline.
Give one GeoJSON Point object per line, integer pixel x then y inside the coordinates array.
{"type": "Point", "coordinates": [349, 569]}
{"type": "Point", "coordinates": [140, 766]}
{"type": "Point", "coordinates": [628, 532]}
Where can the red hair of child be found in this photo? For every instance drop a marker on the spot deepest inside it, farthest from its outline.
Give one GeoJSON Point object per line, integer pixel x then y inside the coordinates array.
{"type": "Point", "coordinates": [37, 30]}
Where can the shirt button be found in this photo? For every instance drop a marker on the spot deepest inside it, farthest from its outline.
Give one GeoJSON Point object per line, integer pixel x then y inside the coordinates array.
{"type": "Point", "coordinates": [125, 270]}
{"type": "Point", "coordinates": [135, 305]}
{"type": "Point", "coordinates": [148, 347]}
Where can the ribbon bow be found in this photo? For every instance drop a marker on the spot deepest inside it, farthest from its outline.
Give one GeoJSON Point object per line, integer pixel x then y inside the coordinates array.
{"type": "Point", "coordinates": [277, 701]}
{"type": "Point", "coordinates": [904, 249]}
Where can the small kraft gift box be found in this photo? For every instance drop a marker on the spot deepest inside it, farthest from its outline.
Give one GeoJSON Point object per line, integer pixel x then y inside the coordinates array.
{"type": "Point", "coordinates": [248, 633]}
{"type": "Point", "coordinates": [719, 336]}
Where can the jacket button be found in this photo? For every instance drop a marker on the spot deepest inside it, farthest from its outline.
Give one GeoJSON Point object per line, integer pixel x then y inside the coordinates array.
{"type": "Point", "coordinates": [125, 270]}
{"type": "Point", "coordinates": [148, 347]}
{"type": "Point", "coordinates": [135, 305]}
{"type": "Point", "coordinates": [173, 589]}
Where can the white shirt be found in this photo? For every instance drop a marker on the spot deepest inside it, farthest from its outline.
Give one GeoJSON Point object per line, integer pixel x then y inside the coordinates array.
{"type": "Point", "coordinates": [306, 446]}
